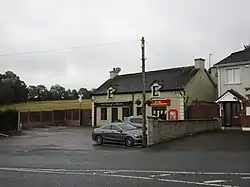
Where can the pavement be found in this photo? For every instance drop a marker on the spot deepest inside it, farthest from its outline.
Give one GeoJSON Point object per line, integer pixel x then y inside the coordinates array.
{"type": "Point", "coordinates": [66, 156]}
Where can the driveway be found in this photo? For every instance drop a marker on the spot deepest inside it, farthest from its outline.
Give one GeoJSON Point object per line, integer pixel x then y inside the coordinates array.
{"type": "Point", "coordinates": [60, 156]}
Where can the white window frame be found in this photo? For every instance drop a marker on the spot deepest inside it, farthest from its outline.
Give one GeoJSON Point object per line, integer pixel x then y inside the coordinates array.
{"type": "Point", "coordinates": [233, 76]}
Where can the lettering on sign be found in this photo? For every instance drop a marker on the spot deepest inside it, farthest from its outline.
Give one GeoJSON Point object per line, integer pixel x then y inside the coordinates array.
{"type": "Point", "coordinates": [110, 92]}
{"type": "Point", "coordinates": [113, 104]}
{"type": "Point", "coordinates": [164, 102]}
{"type": "Point", "coordinates": [155, 90]}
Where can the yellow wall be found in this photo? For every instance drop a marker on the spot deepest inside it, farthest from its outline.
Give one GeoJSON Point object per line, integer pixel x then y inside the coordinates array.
{"type": "Point", "coordinates": [49, 105]}
{"type": "Point", "coordinates": [176, 103]}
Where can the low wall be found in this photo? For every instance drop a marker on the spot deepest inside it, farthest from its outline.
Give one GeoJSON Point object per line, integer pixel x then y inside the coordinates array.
{"type": "Point", "coordinates": [160, 131]}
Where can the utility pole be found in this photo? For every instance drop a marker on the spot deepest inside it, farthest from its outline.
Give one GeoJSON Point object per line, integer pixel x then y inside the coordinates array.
{"type": "Point", "coordinates": [144, 138]}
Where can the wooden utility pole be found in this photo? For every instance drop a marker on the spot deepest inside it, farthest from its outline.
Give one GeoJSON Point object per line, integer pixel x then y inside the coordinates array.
{"type": "Point", "coordinates": [144, 138]}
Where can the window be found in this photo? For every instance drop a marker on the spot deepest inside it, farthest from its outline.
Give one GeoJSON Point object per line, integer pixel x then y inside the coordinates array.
{"type": "Point", "coordinates": [103, 113]}
{"type": "Point", "coordinates": [114, 127]}
{"type": "Point", "coordinates": [233, 76]}
{"type": "Point", "coordinates": [106, 127]}
{"type": "Point", "coordinates": [125, 112]}
{"type": "Point", "coordinates": [139, 111]}
{"type": "Point", "coordinates": [136, 120]}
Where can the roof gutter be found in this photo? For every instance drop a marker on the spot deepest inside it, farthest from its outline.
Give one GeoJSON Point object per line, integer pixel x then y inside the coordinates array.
{"type": "Point", "coordinates": [233, 64]}
{"type": "Point", "coordinates": [219, 83]}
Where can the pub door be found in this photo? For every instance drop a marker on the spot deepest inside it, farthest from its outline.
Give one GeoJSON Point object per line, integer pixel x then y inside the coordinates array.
{"type": "Point", "coordinates": [114, 114]}
{"type": "Point", "coordinates": [160, 112]}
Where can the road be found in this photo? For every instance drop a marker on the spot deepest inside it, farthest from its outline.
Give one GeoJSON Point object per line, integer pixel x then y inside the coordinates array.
{"type": "Point", "coordinates": [63, 157]}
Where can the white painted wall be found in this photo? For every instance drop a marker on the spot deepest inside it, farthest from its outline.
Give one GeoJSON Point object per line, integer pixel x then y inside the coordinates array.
{"type": "Point", "coordinates": [244, 80]}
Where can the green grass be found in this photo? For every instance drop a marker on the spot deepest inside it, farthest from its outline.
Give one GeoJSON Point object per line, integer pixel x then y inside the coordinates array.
{"type": "Point", "coordinates": [48, 105]}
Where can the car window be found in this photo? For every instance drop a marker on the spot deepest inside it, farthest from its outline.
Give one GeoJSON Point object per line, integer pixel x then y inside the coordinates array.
{"type": "Point", "coordinates": [126, 127]}
{"type": "Point", "coordinates": [136, 120]}
{"type": "Point", "coordinates": [114, 127]}
{"type": "Point", "coordinates": [106, 127]}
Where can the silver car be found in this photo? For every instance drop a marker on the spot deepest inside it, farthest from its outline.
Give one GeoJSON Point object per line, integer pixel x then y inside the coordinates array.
{"type": "Point", "coordinates": [136, 121]}
{"type": "Point", "coordinates": [117, 133]}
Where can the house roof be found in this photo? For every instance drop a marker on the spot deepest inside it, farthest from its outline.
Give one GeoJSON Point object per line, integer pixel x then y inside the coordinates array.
{"type": "Point", "coordinates": [171, 79]}
{"type": "Point", "coordinates": [224, 98]}
{"type": "Point", "coordinates": [240, 56]}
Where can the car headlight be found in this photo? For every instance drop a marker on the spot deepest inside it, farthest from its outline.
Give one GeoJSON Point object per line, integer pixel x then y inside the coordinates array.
{"type": "Point", "coordinates": [138, 136]}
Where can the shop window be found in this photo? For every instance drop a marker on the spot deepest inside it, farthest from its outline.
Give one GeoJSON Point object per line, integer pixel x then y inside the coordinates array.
{"type": "Point", "coordinates": [139, 111]}
{"type": "Point", "coordinates": [104, 112]}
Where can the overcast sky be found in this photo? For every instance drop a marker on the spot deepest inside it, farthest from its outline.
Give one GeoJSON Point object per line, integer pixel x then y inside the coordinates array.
{"type": "Point", "coordinates": [176, 32]}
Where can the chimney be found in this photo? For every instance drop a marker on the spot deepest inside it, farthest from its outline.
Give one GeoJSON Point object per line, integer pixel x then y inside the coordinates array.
{"type": "Point", "coordinates": [199, 63]}
{"type": "Point", "coordinates": [114, 72]}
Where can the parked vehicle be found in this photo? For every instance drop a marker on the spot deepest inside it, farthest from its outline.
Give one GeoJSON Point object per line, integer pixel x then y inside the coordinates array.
{"type": "Point", "coordinates": [136, 121]}
{"type": "Point", "coordinates": [117, 133]}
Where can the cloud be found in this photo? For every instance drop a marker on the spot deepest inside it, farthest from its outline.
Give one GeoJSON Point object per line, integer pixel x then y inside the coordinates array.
{"type": "Point", "coordinates": [176, 31]}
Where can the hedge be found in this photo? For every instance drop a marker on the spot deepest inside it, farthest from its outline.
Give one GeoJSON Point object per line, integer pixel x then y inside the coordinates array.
{"type": "Point", "coordinates": [8, 121]}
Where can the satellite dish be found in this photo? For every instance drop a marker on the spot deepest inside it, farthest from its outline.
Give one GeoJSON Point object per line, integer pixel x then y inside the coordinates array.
{"type": "Point", "coordinates": [118, 69]}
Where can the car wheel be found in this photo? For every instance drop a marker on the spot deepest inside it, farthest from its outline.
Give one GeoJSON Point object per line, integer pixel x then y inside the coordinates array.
{"type": "Point", "coordinates": [129, 142]}
{"type": "Point", "coordinates": [99, 140]}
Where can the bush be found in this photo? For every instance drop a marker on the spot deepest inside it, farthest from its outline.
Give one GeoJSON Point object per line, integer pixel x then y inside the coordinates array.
{"type": "Point", "coordinates": [8, 121]}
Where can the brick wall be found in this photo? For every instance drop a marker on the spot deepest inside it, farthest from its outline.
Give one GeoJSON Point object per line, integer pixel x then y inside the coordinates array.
{"type": "Point", "coordinates": [68, 117]}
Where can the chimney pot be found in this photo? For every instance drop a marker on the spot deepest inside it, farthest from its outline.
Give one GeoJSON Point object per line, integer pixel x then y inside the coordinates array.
{"type": "Point", "coordinates": [113, 73]}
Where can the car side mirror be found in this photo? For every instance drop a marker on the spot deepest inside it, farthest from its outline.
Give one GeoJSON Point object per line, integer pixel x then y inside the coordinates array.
{"type": "Point", "coordinates": [120, 131]}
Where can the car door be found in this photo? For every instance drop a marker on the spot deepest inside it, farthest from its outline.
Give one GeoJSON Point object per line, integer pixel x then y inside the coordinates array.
{"type": "Point", "coordinates": [105, 132]}
{"type": "Point", "coordinates": [117, 134]}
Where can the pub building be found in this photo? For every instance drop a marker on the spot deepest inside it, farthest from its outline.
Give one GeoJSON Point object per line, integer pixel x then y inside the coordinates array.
{"type": "Point", "coordinates": [168, 92]}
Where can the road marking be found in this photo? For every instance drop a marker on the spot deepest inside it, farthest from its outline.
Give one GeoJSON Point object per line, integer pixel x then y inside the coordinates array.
{"type": "Point", "coordinates": [215, 181]}
{"type": "Point", "coordinates": [110, 173]}
{"type": "Point", "coordinates": [196, 183]}
{"type": "Point", "coordinates": [246, 178]}
{"type": "Point", "coordinates": [132, 171]}
{"type": "Point", "coordinates": [5, 135]}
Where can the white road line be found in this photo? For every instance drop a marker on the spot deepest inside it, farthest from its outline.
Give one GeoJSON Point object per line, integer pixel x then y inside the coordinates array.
{"type": "Point", "coordinates": [196, 183]}
{"type": "Point", "coordinates": [215, 181]}
{"type": "Point", "coordinates": [132, 171]}
{"type": "Point", "coordinates": [246, 178]}
{"type": "Point", "coordinates": [95, 172]}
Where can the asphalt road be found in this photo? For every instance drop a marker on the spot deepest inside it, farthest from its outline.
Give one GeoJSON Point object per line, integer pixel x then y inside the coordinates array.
{"type": "Point", "coordinates": [64, 157]}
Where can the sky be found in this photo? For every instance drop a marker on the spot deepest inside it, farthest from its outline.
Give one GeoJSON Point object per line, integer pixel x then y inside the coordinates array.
{"type": "Point", "coordinates": [98, 35]}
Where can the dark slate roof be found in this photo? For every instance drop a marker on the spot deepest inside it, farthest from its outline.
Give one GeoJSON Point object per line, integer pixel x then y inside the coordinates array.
{"type": "Point", "coordinates": [171, 79]}
{"type": "Point", "coordinates": [240, 56]}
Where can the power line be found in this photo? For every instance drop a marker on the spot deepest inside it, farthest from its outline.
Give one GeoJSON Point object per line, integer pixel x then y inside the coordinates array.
{"type": "Point", "coordinates": [68, 48]}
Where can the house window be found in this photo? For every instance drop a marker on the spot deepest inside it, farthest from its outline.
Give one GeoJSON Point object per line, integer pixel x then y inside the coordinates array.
{"type": "Point", "coordinates": [104, 113]}
{"type": "Point", "coordinates": [125, 112]}
{"type": "Point", "coordinates": [233, 76]}
{"type": "Point", "coordinates": [139, 111]}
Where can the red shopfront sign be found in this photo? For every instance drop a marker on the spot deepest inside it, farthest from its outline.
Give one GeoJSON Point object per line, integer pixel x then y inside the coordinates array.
{"type": "Point", "coordinates": [163, 102]}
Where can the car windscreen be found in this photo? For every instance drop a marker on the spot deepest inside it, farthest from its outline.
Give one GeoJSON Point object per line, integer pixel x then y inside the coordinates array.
{"type": "Point", "coordinates": [126, 127]}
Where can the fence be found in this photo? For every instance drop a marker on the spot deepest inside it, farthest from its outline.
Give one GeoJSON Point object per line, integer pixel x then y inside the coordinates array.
{"type": "Point", "coordinates": [74, 117]}
{"type": "Point", "coordinates": [8, 121]}
{"type": "Point", "coordinates": [203, 110]}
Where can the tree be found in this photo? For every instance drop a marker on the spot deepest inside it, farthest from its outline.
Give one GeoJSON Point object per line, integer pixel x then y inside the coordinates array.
{"type": "Point", "coordinates": [86, 94]}
{"type": "Point", "coordinates": [38, 93]}
{"type": "Point", "coordinates": [12, 89]}
{"type": "Point", "coordinates": [57, 92]}
{"type": "Point", "coordinates": [74, 94]}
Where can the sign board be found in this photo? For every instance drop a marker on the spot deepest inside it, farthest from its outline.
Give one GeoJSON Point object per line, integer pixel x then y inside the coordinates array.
{"type": "Point", "coordinates": [248, 111]}
{"type": "Point", "coordinates": [164, 102]}
{"type": "Point", "coordinates": [113, 104]}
